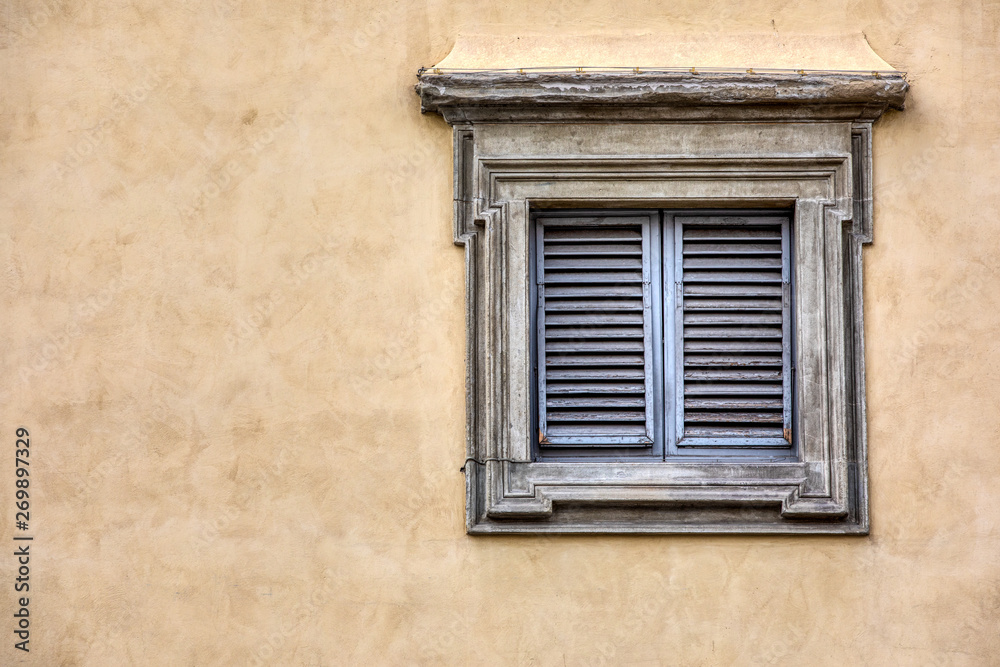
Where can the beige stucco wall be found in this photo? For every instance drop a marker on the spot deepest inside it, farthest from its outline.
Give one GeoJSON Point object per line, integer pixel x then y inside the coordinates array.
{"type": "Point", "coordinates": [232, 319]}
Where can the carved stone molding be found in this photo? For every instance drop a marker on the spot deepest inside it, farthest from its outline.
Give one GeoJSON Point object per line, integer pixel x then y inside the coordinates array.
{"type": "Point", "coordinates": [570, 96]}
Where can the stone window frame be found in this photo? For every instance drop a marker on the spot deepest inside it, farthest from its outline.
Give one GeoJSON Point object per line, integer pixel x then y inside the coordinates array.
{"type": "Point", "coordinates": [798, 140]}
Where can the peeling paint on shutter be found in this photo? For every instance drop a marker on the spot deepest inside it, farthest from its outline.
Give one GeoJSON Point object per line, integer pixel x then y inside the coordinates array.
{"type": "Point", "coordinates": [734, 331]}
{"type": "Point", "coordinates": [594, 365]}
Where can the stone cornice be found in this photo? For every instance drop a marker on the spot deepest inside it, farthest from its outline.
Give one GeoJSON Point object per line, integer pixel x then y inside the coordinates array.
{"type": "Point", "coordinates": [528, 95]}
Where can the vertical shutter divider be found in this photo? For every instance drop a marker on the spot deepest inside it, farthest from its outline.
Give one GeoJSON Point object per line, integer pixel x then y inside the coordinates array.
{"type": "Point", "coordinates": [647, 325]}
{"type": "Point", "coordinates": [666, 283]}
{"type": "Point", "coordinates": [540, 330]}
{"type": "Point", "coordinates": [787, 361]}
{"type": "Point", "coordinates": [678, 328]}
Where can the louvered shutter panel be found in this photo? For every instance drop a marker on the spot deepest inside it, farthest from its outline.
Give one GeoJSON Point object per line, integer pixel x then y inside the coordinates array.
{"type": "Point", "coordinates": [594, 354]}
{"type": "Point", "coordinates": [733, 331]}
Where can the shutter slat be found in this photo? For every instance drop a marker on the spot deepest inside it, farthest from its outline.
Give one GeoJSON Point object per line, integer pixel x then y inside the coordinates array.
{"type": "Point", "coordinates": [744, 417]}
{"type": "Point", "coordinates": [580, 359]}
{"type": "Point", "coordinates": [588, 262]}
{"type": "Point", "coordinates": [730, 235]}
{"type": "Point", "coordinates": [634, 433]}
{"type": "Point", "coordinates": [709, 289]}
{"type": "Point", "coordinates": [742, 305]}
{"type": "Point", "coordinates": [597, 402]}
{"type": "Point", "coordinates": [695, 275]}
{"type": "Point", "coordinates": [569, 249]}
{"type": "Point", "coordinates": [737, 361]}
{"type": "Point", "coordinates": [575, 345]}
{"type": "Point", "coordinates": [770, 432]}
{"type": "Point", "coordinates": [576, 416]}
{"type": "Point", "coordinates": [691, 332]}
{"type": "Point", "coordinates": [552, 305]}
{"type": "Point", "coordinates": [726, 345]}
{"type": "Point", "coordinates": [732, 389]}
{"type": "Point", "coordinates": [590, 319]}
{"type": "Point", "coordinates": [729, 403]}
{"type": "Point", "coordinates": [734, 262]}
{"type": "Point", "coordinates": [588, 332]}
{"type": "Point", "coordinates": [595, 332]}
{"type": "Point", "coordinates": [609, 234]}
{"type": "Point", "coordinates": [733, 326]}
{"type": "Point", "coordinates": [733, 318]}
{"type": "Point", "coordinates": [595, 277]}
{"type": "Point", "coordinates": [570, 291]}
{"type": "Point", "coordinates": [733, 375]}
{"type": "Point", "coordinates": [732, 249]}
{"type": "Point", "coordinates": [597, 388]}
{"type": "Point", "coordinates": [569, 373]}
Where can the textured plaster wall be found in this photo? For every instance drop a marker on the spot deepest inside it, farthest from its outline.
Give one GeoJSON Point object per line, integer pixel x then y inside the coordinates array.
{"type": "Point", "coordinates": [232, 319]}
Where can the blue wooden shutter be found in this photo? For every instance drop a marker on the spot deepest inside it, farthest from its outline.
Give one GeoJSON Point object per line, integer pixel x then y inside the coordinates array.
{"type": "Point", "coordinates": [595, 366]}
{"type": "Point", "coordinates": [733, 330]}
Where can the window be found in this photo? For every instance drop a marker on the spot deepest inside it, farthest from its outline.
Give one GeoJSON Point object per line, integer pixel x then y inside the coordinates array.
{"type": "Point", "coordinates": [664, 296]}
{"type": "Point", "coordinates": [662, 334]}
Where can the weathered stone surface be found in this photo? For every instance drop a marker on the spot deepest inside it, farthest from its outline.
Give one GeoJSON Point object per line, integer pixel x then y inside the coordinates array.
{"type": "Point", "coordinates": [505, 169]}
{"type": "Point", "coordinates": [505, 95]}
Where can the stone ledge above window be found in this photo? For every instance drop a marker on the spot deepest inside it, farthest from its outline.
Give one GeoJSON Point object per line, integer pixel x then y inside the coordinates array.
{"type": "Point", "coordinates": [571, 96]}
{"type": "Point", "coordinates": [854, 85]}
{"type": "Point", "coordinates": [748, 123]}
